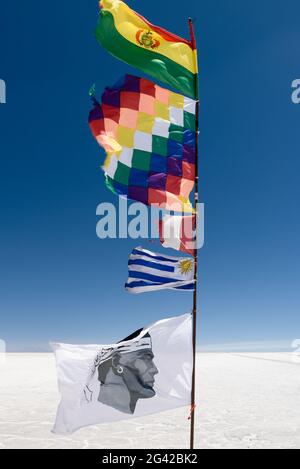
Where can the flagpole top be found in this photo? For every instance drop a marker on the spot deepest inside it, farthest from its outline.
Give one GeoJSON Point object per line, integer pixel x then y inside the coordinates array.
{"type": "Point", "coordinates": [192, 34]}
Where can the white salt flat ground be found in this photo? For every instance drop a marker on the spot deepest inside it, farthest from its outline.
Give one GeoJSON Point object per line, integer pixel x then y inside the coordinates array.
{"type": "Point", "coordinates": [245, 400]}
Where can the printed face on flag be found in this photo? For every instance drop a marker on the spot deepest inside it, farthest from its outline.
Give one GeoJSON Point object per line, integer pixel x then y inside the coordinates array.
{"type": "Point", "coordinates": [147, 372]}
{"type": "Point", "coordinates": [125, 373]}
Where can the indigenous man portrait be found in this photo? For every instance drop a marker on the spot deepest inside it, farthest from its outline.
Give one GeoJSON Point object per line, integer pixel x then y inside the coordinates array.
{"type": "Point", "coordinates": [126, 373]}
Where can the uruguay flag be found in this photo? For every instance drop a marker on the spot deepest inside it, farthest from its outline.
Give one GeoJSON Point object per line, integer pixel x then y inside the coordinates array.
{"type": "Point", "coordinates": [149, 271]}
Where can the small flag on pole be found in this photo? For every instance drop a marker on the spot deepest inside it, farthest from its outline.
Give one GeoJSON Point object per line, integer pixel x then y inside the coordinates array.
{"type": "Point", "coordinates": [147, 372]}
{"type": "Point", "coordinates": [150, 271]}
{"type": "Point", "coordinates": [178, 232]}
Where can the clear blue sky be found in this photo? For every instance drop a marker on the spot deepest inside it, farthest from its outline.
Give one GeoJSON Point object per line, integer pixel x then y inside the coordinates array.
{"type": "Point", "coordinates": [58, 281]}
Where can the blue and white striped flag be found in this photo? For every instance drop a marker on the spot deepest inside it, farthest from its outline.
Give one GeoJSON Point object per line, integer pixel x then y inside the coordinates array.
{"type": "Point", "coordinates": [149, 271]}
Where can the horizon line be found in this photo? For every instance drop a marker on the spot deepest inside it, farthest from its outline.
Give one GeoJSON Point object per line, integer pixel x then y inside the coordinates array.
{"type": "Point", "coordinates": [247, 346]}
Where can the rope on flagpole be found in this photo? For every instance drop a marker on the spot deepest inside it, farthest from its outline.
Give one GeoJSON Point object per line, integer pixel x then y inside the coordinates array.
{"type": "Point", "coordinates": [192, 410]}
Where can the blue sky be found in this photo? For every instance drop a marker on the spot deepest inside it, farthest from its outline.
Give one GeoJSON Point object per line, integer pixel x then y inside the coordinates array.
{"type": "Point", "coordinates": [58, 281]}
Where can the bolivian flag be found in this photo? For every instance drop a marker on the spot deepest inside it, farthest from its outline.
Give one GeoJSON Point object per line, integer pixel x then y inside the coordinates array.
{"type": "Point", "coordinates": [131, 38]}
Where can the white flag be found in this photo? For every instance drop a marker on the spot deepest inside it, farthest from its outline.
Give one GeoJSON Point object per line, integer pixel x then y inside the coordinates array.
{"type": "Point", "coordinates": [147, 372]}
{"type": "Point", "coordinates": [178, 232]}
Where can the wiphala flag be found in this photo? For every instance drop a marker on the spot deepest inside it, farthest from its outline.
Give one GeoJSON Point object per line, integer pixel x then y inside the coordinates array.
{"type": "Point", "coordinates": [149, 136]}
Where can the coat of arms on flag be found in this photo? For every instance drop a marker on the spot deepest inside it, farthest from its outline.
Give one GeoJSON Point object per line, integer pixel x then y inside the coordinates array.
{"type": "Point", "coordinates": [157, 52]}
{"type": "Point", "coordinates": [147, 372]}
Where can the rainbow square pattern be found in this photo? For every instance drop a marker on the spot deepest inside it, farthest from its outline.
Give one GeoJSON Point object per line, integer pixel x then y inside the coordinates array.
{"type": "Point", "coordinates": [149, 136]}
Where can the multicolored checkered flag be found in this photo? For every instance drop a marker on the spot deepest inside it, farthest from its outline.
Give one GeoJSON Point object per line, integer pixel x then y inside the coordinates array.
{"type": "Point", "coordinates": [149, 136]}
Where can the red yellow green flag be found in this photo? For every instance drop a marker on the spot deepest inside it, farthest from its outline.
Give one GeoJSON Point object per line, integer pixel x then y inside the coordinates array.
{"type": "Point", "coordinates": [157, 52]}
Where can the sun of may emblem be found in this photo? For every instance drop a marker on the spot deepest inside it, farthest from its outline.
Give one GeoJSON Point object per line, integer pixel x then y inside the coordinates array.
{"type": "Point", "coordinates": [185, 266]}
{"type": "Point", "coordinates": [146, 39]}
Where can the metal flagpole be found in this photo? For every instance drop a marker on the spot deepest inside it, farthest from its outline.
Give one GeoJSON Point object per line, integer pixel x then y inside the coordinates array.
{"type": "Point", "coordinates": [193, 402]}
